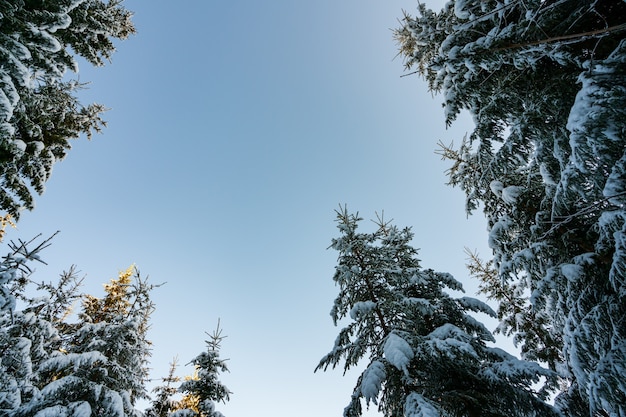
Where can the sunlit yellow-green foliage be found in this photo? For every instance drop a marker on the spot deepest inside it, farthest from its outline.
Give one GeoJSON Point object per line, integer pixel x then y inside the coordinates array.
{"type": "Point", "coordinates": [116, 302]}
{"type": "Point", "coordinates": [5, 221]}
{"type": "Point", "coordinates": [190, 401]}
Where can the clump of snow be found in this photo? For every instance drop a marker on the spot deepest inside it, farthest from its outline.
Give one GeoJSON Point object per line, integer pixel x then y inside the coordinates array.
{"type": "Point", "coordinates": [63, 22]}
{"type": "Point", "coordinates": [6, 108]}
{"type": "Point", "coordinates": [459, 9]}
{"type": "Point", "coordinates": [398, 352]}
{"type": "Point", "coordinates": [72, 360]}
{"type": "Point", "coordinates": [54, 411]}
{"type": "Point", "coordinates": [545, 175]}
{"type": "Point", "coordinates": [20, 144]}
{"type": "Point", "coordinates": [510, 193]}
{"type": "Point", "coordinates": [82, 410]}
{"type": "Point", "coordinates": [572, 272]}
{"type": "Point", "coordinates": [361, 309]}
{"type": "Point", "coordinates": [372, 380]}
{"type": "Point", "coordinates": [496, 187]}
{"type": "Point", "coordinates": [479, 329]}
{"type": "Point", "coordinates": [476, 305]}
{"type": "Point", "coordinates": [113, 404]}
{"type": "Point", "coordinates": [450, 340]}
{"type": "Point", "coordinates": [449, 281]}
{"type": "Point", "coordinates": [418, 406]}
{"type": "Point", "coordinates": [499, 229]}
{"type": "Point", "coordinates": [512, 368]}
{"type": "Point", "coordinates": [39, 146]}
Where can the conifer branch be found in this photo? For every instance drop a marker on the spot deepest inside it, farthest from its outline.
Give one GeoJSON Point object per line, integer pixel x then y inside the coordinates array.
{"type": "Point", "coordinates": [370, 289]}
{"type": "Point", "coordinates": [582, 36]}
{"type": "Point", "coordinates": [410, 73]}
{"type": "Point", "coordinates": [597, 205]}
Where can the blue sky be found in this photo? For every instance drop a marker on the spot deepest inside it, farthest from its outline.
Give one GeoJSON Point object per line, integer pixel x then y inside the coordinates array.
{"type": "Point", "coordinates": [235, 130]}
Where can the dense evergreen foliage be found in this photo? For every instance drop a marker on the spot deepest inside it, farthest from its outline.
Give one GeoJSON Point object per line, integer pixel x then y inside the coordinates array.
{"type": "Point", "coordinates": [426, 354]}
{"type": "Point", "coordinates": [545, 82]}
{"type": "Point", "coordinates": [53, 362]}
{"type": "Point", "coordinates": [95, 365]}
{"type": "Point", "coordinates": [39, 109]}
{"type": "Point", "coordinates": [204, 388]}
{"type": "Point", "coordinates": [200, 391]}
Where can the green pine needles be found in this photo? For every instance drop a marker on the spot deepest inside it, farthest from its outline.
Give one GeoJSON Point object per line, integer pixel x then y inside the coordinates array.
{"type": "Point", "coordinates": [95, 362]}
{"type": "Point", "coordinates": [545, 83]}
{"type": "Point", "coordinates": [39, 109]}
{"type": "Point", "coordinates": [424, 351]}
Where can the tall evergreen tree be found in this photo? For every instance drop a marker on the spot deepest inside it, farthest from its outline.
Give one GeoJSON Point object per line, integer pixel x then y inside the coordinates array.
{"type": "Point", "coordinates": [163, 402]}
{"type": "Point", "coordinates": [545, 82]}
{"type": "Point", "coordinates": [117, 326]}
{"type": "Point", "coordinates": [39, 109]}
{"type": "Point", "coordinates": [101, 367]}
{"type": "Point", "coordinates": [204, 389]}
{"type": "Point", "coordinates": [197, 394]}
{"type": "Point", "coordinates": [26, 337]}
{"type": "Point", "coordinates": [426, 355]}
{"type": "Point", "coordinates": [52, 364]}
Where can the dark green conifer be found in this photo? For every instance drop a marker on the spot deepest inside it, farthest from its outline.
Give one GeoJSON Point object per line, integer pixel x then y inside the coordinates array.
{"type": "Point", "coordinates": [545, 82]}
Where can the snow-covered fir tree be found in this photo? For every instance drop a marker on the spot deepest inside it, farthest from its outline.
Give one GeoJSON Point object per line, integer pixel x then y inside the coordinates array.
{"type": "Point", "coordinates": [94, 363]}
{"type": "Point", "coordinates": [426, 354]}
{"type": "Point", "coordinates": [100, 366]}
{"type": "Point", "coordinates": [197, 394]}
{"type": "Point", "coordinates": [27, 336]}
{"type": "Point", "coordinates": [545, 82]}
{"type": "Point", "coordinates": [39, 109]}
{"type": "Point", "coordinates": [96, 366]}
{"type": "Point", "coordinates": [203, 389]}
{"type": "Point", "coordinates": [164, 401]}
{"type": "Point", "coordinates": [14, 358]}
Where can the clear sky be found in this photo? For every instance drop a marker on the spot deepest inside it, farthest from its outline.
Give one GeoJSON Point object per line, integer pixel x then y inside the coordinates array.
{"type": "Point", "coordinates": [236, 128]}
